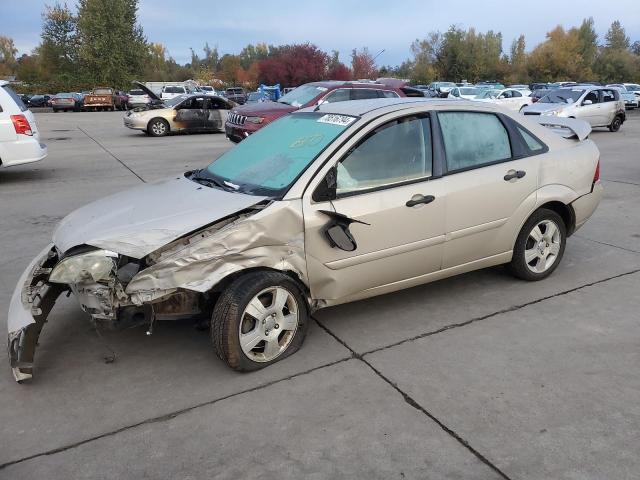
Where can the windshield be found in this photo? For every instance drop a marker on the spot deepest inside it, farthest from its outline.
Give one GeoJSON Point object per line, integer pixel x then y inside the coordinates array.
{"type": "Point", "coordinates": [302, 95]}
{"type": "Point", "coordinates": [270, 160]}
{"type": "Point", "coordinates": [102, 91]}
{"type": "Point", "coordinates": [469, 91]}
{"type": "Point", "coordinates": [562, 96]}
{"type": "Point", "coordinates": [136, 92]}
{"type": "Point", "coordinates": [633, 88]}
{"type": "Point", "coordinates": [174, 90]}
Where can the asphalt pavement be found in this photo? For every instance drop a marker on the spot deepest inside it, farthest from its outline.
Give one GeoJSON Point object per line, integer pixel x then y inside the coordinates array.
{"type": "Point", "coordinates": [480, 376]}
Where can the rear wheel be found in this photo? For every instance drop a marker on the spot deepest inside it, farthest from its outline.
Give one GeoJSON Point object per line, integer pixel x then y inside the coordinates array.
{"type": "Point", "coordinates": [261, 318]}
{"type": "Point", "coordinates": [539, 246]}
{"type": "Point", "coordinates": [616, 123]}
{"type": "Point", "coordinates": [158, 127]}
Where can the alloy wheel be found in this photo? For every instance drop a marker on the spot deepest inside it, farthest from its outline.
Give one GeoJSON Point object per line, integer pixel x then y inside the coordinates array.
{"type": "Point", "coordinates": [543, 246]}
{"type": "Point", "coordinates": [268, 324]}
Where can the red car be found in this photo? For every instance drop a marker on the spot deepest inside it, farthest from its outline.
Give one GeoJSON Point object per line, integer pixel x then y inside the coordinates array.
{"type": "Point", "coordinates": [243, 120]}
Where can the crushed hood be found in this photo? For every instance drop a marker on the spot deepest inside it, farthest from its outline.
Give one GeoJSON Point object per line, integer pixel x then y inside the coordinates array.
{"type": "Point", "coordinates": [140, 220]}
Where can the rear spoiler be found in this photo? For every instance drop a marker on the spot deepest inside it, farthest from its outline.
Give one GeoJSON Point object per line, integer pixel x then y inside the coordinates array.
{"type": "Point", "coordinates": [566, 127]}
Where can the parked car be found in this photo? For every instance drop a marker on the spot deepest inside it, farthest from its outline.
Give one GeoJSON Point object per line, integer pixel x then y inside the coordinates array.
{"type": "Point", "coordinates": [100, 98]}
{"type": "Point", "coordinates": [25, 97]}
{"type": "Point", "coordinates": [19, 136]}
{"type": "Point", "coordinates": [442, 88]}
{"type": "Point", "coordinates": [138, 98]}
{"type": "Point", "coordinates": [171, 91]}
{"type": "Point", "coordinates": [464, 93]}
{"type": "Point", "coordinates": [186, 113]}
{"type": "Point", "coordinates": [256, 97]}
{"type": "Point", "coordinates": [600, 106]}
{"type": "Point", "coordinates": [633, 87]}
{"type": "Point", "coordinates": [629, 98]}
{"type": "Point", "coordinates": [67, 101]}
{"type": "Point", "coordinates": [275, 228]}
{"type": "Point", "coordinates": [208, 89]}
{"type": "Point", "coordinates": [491, 84]}
{"type": "Point", "coordinates": [508, 98]}
{"type": "Point", "coordinates": [39, 101]}
{"type": "Point", "coordinates": [538, 86]}
{"type": "Point", "coordinates": [237, 94]}
{"type": "Point", "coordinates": [247, 119]}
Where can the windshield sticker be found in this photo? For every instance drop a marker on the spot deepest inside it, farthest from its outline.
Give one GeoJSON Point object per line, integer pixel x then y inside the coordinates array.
{"type": "Point", "coordinates": [334, 119]}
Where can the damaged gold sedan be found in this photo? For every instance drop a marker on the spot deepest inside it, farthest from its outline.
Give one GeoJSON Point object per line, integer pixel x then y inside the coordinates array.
{"type": "Point", "coordinates": [325, 206]}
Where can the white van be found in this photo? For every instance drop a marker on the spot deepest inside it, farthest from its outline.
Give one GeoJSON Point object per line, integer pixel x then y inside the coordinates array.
{"type": "Point", "coordinates": [19, 136]}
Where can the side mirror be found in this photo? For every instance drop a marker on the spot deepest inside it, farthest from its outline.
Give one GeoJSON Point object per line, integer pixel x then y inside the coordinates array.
{"type": "Point", "coordinates": [340, 237]}
{"type": "Point", "coordinates": [587, 102]}
{"type": "Point", "coordinates": [326, 189]}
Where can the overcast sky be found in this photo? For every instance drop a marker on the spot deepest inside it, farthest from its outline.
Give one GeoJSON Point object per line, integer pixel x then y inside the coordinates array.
{"type": "Point", "coordinates": [334, 25]}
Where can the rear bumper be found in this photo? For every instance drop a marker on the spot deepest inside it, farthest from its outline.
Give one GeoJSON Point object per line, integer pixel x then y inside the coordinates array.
{"type": "Point", "coordinates": [585, 205]}
{"type": "Point", "coordinates": [19, 152]}
{"type": "Point", "coordinates": [31, 303]}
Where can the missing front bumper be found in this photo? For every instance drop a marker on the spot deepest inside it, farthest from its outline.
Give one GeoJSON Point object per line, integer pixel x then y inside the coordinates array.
{"type": "Point", "coordinates": [30, 306]}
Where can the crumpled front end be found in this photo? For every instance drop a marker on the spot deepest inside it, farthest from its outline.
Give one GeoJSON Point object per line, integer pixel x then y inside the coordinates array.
{"type": "Point", "coordinates": [178, 280]}
{"type": "Point", "coordinates": [30, 306]}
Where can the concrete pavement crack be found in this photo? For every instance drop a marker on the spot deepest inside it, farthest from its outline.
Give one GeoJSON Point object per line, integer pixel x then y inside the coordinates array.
{"type": "Point", "coordinates": [112, 155]}
{"type": "Point", "coordinates": [413, 403]}
{"type": "Point", "coordinates": [607, 244]}
{"type": "Point", "coordinates": [621, 181]}
{"type": "Point", "coordinates": [168, 416]}
{"type": "Point", "coordinates": [494, 314]}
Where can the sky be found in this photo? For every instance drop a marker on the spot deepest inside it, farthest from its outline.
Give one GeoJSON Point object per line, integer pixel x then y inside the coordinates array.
{"type": "Point", "coordinates": [334, 24]}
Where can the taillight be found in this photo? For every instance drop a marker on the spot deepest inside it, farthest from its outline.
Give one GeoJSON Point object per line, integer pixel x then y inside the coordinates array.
{"type": "Point", "coordinates": [21, 124]}
{"type": "Point", "coordinates": [596, 176]}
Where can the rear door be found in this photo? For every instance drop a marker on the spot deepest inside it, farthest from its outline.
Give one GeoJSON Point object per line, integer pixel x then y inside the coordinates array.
{"type": "Point", "coordinates": [491, 185]}
{"type": "Point", "coordinates": [216, 113]}
{"type": "Point", "coordinates": [591, 113]}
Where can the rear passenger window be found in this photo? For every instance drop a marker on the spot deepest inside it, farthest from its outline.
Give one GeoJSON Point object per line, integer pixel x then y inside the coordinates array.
{"type": "Point", "coordinates": [608, 96]}
{"type": "Point", "coordinates": [364, 94]}
{"type": "Point", "coordinates": [473, 139]}
{"type": "Point", "coordinates": [533, 144]}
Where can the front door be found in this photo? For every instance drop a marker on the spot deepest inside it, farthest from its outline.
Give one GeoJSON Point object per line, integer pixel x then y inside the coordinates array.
{"type": "Point", "coordinates": [190, 114]}
{"type": "Point", "coordinates": [383, 180]}
{"type": "Point", "coordinates": [489, 192]}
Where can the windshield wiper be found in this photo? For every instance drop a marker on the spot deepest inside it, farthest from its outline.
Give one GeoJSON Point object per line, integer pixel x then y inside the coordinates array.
{"type": "Point", "coordinates": [210, 181]}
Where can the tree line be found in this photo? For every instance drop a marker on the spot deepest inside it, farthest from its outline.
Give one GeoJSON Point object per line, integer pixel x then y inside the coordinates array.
{"type": "Point", "coordinates": [102, 43]}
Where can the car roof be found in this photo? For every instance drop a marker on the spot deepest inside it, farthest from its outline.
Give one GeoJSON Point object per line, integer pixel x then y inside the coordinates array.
{"type": "Point", "coordinates": [349, 83]}
{"type": "Point", "coordinates": [360, 108]}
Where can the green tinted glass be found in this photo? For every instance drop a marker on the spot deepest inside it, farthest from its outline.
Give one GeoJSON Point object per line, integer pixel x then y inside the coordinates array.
{"type": "Point", "coordinates": [274, 156]}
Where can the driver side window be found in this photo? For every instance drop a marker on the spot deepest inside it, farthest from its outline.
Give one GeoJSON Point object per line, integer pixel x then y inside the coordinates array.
{"type": "Point", "coordinates": [395, 152]}
{"type": "Point", "coordinates": [593, 96]}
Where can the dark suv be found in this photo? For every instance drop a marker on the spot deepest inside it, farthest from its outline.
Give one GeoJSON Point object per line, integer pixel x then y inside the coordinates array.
{"type": "Point", "coordinates": [236, 94]}
{"type": "Point", "coordinates": [243, 121]}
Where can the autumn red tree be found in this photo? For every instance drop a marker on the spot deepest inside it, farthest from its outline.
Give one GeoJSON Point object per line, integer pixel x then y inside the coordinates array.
{"type": "Point", "coordinates": [294, 65]}
{"type": "Point", "coordinates": [363, 65]}
{"type": "Point", "coordinates": [339, 71]}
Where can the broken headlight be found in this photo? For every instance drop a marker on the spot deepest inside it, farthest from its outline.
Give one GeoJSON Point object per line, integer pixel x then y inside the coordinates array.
{"type": "Point", "coordinates": [86, 267]}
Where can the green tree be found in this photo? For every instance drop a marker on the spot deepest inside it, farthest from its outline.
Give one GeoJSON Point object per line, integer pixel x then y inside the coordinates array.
{"type": "Point", "coordinates": [58, 50]}
{"type": "Point", "coordinates": [588, 44]}
{"type": "Point", "coordinates": [112, 47]}
{"type": "Point", "coordinates": [518, 61]}
{"type": "Point", "coordinates": [8, 53]}
{"type": "Point", "coordinates": [616, 37]}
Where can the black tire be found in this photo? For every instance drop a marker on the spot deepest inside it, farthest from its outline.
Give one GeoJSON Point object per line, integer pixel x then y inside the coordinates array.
{"type": "Point", "coordinates": [158, 127]}
{"type": "Point", "coordinates": [228, 313]}
{"type": "Point", "coordinates": [616, 123]}
{"type": "Point", "coordinates": [518, 265]}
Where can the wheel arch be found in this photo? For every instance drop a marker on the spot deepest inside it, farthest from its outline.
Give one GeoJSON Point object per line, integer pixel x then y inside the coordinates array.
{"type": "Point", "coordinates": [229, 279]}
{"type": "Point", "coordinates": [565, 211]}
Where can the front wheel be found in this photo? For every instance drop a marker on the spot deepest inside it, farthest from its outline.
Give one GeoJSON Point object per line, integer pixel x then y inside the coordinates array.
{"type": "Point", "coordinates": [261, 318]}
{"type": "Point", "coordinates": [539, 246]}
{"type": "Point", "coordinates": [158, 127]}
{"type": "Point", "coordinates": [616, 123]}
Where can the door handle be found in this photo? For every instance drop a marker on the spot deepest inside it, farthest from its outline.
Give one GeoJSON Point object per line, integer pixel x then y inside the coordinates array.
{"type": "Point", "coordinates": [511, 174]}
{"type": "Point", "coordinates": [418, 199]}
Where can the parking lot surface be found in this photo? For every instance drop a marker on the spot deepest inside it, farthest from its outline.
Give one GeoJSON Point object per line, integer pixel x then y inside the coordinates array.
{"type": "Point", "coordinates": [480, 376]}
